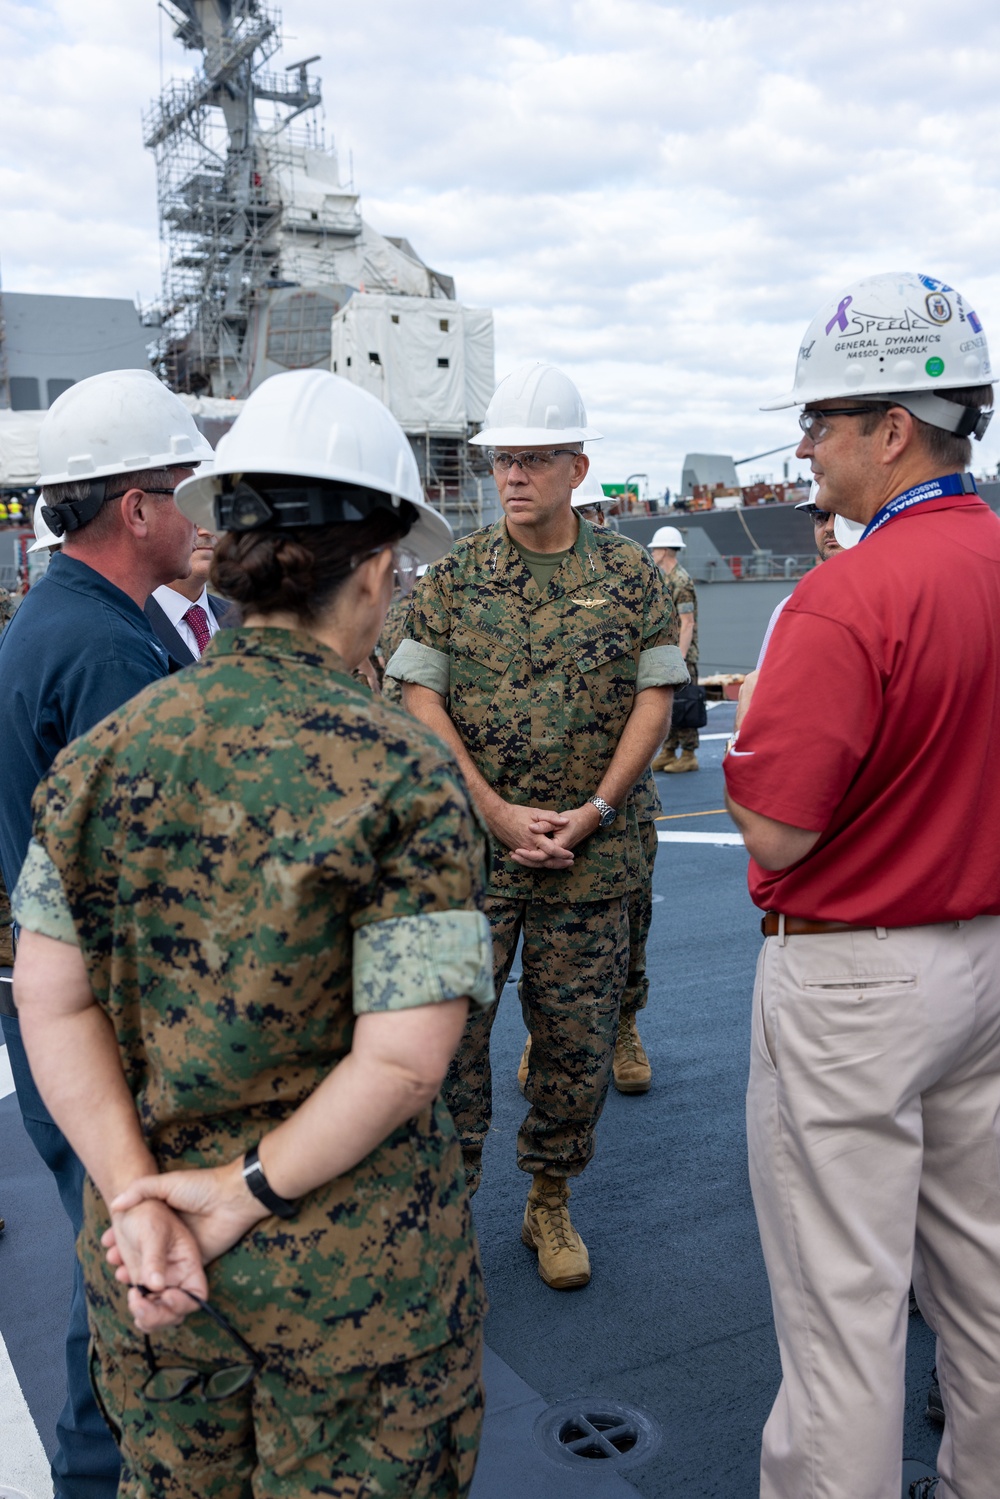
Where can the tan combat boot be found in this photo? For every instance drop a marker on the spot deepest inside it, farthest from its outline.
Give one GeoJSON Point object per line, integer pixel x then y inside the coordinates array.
{"type": "Point", "coordinates": [686, 760]}
{"type": "Point", "coordinates": [563, 1261]}
{"type": "Point", "coordinates": [630, 1069]}
{"type": "Point", "coordinates": [664, 760]}
{"type": "Point", "coordinates": [522, 1066]}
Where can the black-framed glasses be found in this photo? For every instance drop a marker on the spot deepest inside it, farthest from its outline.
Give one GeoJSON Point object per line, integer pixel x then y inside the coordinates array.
{"type": "Point", "coordinates": [173, 1381]}
{"type": "Point", "coordinates": [530, 460]}
{"type": "Point", "coordinates": [816, 424]}
{"type": "Point", "coordinates": [817, 516]}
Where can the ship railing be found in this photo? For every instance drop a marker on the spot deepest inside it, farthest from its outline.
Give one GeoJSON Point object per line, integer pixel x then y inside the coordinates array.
{"type": "Point", "coordinates": [764, 565]}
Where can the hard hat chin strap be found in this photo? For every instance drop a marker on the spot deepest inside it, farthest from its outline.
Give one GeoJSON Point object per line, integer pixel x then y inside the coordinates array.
{"type": "Point", "coordinates": [963, 421]}
{"type": "Point", "coordinates": [71, 515]}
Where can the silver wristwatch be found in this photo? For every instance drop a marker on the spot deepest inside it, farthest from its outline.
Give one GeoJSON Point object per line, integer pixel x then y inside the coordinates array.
{"type": "Point", "coordinates": [607, 811]}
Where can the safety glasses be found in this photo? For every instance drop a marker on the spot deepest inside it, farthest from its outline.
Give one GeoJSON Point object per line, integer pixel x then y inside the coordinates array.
{"type": "Point", "coordinates": [530, 461]}
{"type": "Point", "coordinates": [405, 564]}
{"type": "Point", "coordinates": [168, 1382]}
{"type": "Point", "coordinates": [816, 424]}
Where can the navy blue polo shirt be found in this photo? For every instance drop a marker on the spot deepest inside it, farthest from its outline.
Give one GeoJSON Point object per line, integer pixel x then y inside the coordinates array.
{"type": "Point", "coordinates": [77, 649]}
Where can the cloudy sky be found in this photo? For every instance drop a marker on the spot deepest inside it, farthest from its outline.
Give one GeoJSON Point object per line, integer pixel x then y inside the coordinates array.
{"type": "Point", "coordinates": [656, 196]}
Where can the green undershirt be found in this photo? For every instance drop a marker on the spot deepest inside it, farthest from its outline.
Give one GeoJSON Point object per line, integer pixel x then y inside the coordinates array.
{"type": "Point", "coordinates": [541, 565]}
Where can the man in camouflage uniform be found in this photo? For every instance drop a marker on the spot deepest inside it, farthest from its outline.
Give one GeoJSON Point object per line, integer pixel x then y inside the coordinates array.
{"type": "Point", "coordinates": [664, 547]}
{"type": "Point", "coordinates": [392, 636]}
{"type": "Point", "coordinates": [630, 1071]}
{"type": "Point", "coordinates": [543, 651]}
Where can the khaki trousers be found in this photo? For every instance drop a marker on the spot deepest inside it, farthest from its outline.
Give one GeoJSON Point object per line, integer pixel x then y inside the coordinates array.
{"type": "Point", "coordinates": [872, 1120]}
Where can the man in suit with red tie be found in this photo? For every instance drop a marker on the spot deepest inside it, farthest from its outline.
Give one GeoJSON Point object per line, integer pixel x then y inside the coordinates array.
{"type": "Point", "coordinates": [183, 614]}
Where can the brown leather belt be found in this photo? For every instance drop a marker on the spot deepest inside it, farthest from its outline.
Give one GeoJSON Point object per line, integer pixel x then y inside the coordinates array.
{"type": "Point", "coordinates": [795, 926]}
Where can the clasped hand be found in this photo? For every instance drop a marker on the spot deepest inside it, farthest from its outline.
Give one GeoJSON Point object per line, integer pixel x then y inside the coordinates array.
{"type": "Point", "coordinates": [539, 839]}
{"type": "Point", "coordinates": [166, 1228]}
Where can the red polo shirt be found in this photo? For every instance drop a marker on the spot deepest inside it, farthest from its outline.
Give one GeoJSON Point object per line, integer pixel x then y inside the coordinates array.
{"type": "Point", "coordinates": [876, 721]}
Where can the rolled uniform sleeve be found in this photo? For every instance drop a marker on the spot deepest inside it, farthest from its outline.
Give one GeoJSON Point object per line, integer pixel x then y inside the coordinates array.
{"type": "Point", "coordinates": [423, 960]}
{"type": "Point", "coordinates": [661, 666]}
{"type": "Point", "coordinates": [39, 901]}
{"type": "Point", "coordinates": [422, 665]}
{"type": "Point", "coordinates": [424, 657]}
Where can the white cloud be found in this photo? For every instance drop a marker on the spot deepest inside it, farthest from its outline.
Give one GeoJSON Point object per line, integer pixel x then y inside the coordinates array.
{"type": "Point", "coordinates": [656, 195]}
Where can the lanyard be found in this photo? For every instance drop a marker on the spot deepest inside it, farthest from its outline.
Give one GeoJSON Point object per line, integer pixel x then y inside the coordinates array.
{"type": "Point", "coordinates": [934, 489]}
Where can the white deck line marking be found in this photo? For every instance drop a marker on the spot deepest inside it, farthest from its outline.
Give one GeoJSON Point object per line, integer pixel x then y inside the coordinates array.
{"type": "Point", "coordinates": [703, 737]}
{"type": "Point", "coordinates": [733, 840]}
{"type": "Point", "coordinates": [6, 1076]}
{"type": "Point", "coordinates": [23, 1464]}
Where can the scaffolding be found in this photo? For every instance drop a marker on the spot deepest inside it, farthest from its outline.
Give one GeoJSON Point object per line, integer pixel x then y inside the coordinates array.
{"type": "Point", "coordinates": [222, 163]}
{"type": "Point", "coordinates": [263, 245]}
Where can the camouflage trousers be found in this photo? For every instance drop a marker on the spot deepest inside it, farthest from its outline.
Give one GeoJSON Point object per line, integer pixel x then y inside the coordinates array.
{"type": "Point", "coordinates": [640, 919]}
{"type": "Point", "coordinates": [410, 1431]}
{"type": "Point", "coordinates": [575, 961]}
{"type": "Point", "coordinates": [685, 739]}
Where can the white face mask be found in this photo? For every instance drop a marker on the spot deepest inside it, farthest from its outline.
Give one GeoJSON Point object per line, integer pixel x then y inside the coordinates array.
{"type": "Point", "coordinates": [848, 532]}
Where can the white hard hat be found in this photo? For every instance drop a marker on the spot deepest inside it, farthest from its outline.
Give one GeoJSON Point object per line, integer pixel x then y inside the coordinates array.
{"type": "Point", "coordinates": [44, 535]}
{"type": "Point", "coordinates": [812, 503]}
{"type": "Point", "coordinates": [115, 423]}
{"type": "Point", "coordinates": [536, 406]}
{"type": "Point", "coordinates": [902, 336]}
{"type": "Point", "coordinates": [667, 536]}
{"type": "Point", "coordinates": [310, 424]}
{"type": "Point", "coordinates": [588, 493]}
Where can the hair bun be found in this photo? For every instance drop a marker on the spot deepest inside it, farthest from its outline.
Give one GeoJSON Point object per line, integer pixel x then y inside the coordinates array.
{"type": "Point", "coordinates": [269, 571]}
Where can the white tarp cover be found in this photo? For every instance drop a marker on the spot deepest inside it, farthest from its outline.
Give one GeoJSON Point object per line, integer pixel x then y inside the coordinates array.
{"type": "Point", "coordinates": [216, 408]}
{"type": "Point", "coordinates": [19, 448]}
{"type": "Point", "coordinates": [322, 236]}
{"type": "Point", "coordinates": [19, 436]}
{"type": "Point", "coordinates": [429, 359]}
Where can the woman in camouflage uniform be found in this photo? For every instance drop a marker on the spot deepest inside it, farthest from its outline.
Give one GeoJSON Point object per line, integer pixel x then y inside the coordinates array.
{"type": "Point", "coordinates": [249, 919]}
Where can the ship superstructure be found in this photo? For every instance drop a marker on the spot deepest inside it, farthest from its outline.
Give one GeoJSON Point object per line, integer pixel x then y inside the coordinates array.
{"type": "Point", "coordinates": [264, 244]}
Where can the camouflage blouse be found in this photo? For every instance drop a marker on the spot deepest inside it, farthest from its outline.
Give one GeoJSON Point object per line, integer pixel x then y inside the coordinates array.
{"type": "Point", "coordinates": [685, 601]}
{"type": "Point", "coordinates": [540, 683]}
{"type": "Point", "coordinates": [249, 854]}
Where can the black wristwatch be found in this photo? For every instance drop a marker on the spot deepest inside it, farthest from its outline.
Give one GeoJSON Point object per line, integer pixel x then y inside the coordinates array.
{"type": "Point", "coordinates": [253, 1175]}
{"type": "Point", "coordinates": [607, 811]}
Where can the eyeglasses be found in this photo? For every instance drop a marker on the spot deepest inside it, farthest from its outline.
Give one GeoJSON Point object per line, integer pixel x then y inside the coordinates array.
{"type": "Point", "coordinates": [406, 570]}
{"type": "Point", "coordinates": [817, 516]}
{"type": "Point", "coordinates": [816, 424]}
{"type": "Point", "coordinates": [530, 461]}
{"type": "Point", "coordinates": [173, 1381]}
{"type": "Point", "coordinates": [405, 564]}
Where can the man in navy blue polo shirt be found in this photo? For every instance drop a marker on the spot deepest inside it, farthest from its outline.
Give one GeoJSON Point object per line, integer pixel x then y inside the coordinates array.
{"type": "Point", "coordinates": [112, 450]}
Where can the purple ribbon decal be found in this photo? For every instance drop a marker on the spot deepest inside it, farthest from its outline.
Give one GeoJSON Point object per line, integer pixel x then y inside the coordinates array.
{"type": "Point", "coordinates": [840, 316]}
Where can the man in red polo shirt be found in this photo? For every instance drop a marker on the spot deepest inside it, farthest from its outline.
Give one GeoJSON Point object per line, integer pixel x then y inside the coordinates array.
{"type": "Point", "coordinates": [863, 778]}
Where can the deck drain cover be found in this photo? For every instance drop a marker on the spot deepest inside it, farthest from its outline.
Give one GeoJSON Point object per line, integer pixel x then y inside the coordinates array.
{"type": "Point", "coordinates": [591, 1430]}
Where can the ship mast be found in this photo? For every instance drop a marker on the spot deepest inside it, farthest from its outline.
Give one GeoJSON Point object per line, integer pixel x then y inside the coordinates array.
{"type": "Point", "coordinates": [220, 210]}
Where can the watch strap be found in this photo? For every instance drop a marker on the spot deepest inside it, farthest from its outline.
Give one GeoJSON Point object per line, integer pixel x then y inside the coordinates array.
{"type": "Point", "coordinates": [607, 811]}
{"type": "Point", "coordinates": [253, 1175]}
